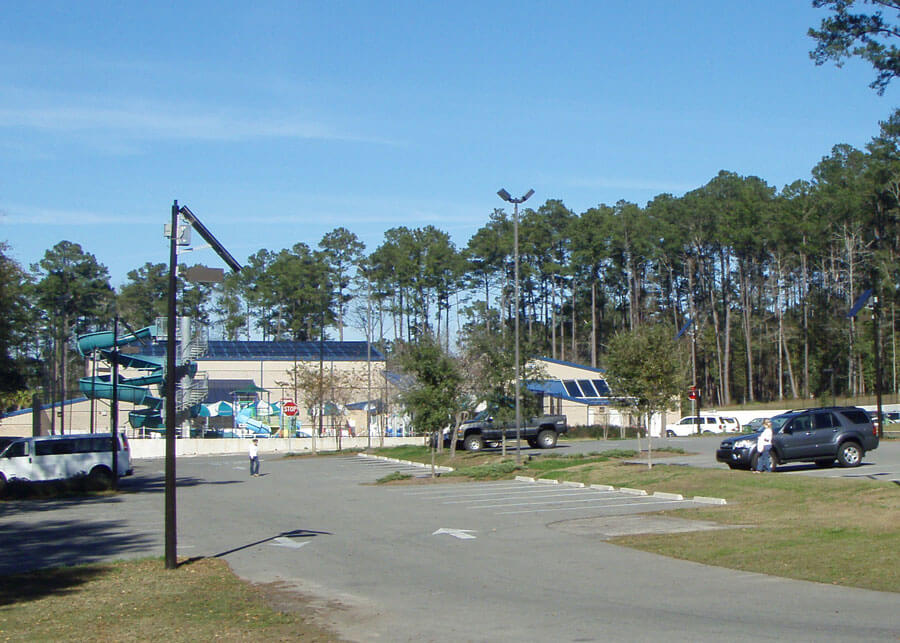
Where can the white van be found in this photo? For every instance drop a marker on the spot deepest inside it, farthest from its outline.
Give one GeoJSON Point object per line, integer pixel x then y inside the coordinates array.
{"type": "Point", "coordinates": [63, 457]}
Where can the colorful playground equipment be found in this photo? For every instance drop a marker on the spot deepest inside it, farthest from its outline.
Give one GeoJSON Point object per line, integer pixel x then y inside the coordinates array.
{"type": "Point", "coordinates": [149, 389]}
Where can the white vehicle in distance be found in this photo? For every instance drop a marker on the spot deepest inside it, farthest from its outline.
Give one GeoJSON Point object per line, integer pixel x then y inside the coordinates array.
{"type": "Point", "coordinates": [64, 457]}
{"type": "Point", "coordinates": [687, 426]}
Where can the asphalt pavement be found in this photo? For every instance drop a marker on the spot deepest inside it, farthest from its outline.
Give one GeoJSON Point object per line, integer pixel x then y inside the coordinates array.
{"type": "Point", "coordinates": [445, 561]}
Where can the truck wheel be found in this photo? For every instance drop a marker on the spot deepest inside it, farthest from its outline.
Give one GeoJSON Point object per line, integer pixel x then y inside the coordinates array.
{"type": "Point", "coordinates": [850, 454]}
{"type": "Point", "coordinates": [100, 479]}
{"type": "Point", "coordinates": [473, 443]}
{"type": "Point", "coordinates": [546, 439]}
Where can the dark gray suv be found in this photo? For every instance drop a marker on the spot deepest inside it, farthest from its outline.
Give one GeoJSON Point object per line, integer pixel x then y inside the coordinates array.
{"type": "Point", "coordinates": [823, 435]}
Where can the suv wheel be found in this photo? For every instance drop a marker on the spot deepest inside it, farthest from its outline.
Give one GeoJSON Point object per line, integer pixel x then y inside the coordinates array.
{"type": "Point", "coordinates": [850, 454]}
{"type": "Point", "coordinates": [670, 433]}
{"type": "Point", "coordinates": [473, 443]}
{"type": "Point", "coordinates": [546, 439]}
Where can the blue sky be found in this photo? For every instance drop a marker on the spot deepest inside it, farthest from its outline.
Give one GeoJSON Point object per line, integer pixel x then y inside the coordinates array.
{"type": "Point", "coordinates": [276, 123]}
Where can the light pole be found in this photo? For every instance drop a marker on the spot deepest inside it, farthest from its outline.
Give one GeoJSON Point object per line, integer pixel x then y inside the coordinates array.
{"type": "Point", "coordinates": [503, 194]}
{"type": "Point", "coordinates": [171, 409]}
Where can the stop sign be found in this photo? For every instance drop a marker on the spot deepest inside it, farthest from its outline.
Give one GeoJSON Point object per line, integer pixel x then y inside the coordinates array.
{"type": "Point", "coordinates": [289, 409]}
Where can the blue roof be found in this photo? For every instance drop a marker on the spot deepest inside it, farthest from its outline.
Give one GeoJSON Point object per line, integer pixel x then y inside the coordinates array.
{"type": "Point", "coordinates": [331, 351]}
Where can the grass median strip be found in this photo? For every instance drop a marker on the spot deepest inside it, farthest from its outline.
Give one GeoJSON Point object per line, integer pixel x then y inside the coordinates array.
{"type": "Point", "coordinates": [828, 530]}
{"type": "Point", "coordinates": [141, 601]}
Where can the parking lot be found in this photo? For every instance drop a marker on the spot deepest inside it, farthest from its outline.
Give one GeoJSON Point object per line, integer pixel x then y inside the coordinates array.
{"type": "Point", "coordinates": [445, 561]}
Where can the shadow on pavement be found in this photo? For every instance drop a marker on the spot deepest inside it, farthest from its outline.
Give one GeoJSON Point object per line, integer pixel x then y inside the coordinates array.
{"type": "Point", "coordinates": [55, 543]}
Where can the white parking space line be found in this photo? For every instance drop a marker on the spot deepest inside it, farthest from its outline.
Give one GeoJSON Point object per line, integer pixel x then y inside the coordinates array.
{"type": "Point", "coordinates": [599, 506]}
{"type": "Point", "coordinates": [458, 490]}
{"type": "Point", "coordinates": [620, 500]}
{"type": "Point", "coordinates": [555, 493]}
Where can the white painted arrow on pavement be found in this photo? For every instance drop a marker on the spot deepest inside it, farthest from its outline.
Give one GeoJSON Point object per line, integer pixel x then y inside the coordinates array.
{"type": "Point", "coordinates": [281, 541]}
{"type": "Point", "coordinates": [462, 534]}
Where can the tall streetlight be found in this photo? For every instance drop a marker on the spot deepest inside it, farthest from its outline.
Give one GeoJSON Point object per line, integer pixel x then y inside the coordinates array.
{"type": "Point", "coordinates": [503, 194]}
{"type": "Point", "coordinates": [176, 238]}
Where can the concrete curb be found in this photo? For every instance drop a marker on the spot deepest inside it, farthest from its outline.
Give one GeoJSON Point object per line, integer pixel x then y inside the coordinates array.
{"type": "Point", "coordinates": [576, 485]}
{"type": "Point", "coordinates": [524, 479]}
{"type": "Point", "coordinates": [632, 492]}
{"type": "Point", "coordinates": [603, 487]}
{"type": "Point", "coordinates": [709, 501]}
{"type": "Point", "coordinates": [547, 481]}
{"type": "Point", "coordinates": [667, 496]}
{"type": "Point", "coordinates": [420, 465]}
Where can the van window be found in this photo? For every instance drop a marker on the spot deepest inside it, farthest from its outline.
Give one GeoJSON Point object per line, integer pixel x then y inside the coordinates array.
{"type": "Point", "coordinates": [52, 447]}
{"type": "Point", "coordinates": [16, 450]}
{"type": "Point", "coordinates": [91, 445]}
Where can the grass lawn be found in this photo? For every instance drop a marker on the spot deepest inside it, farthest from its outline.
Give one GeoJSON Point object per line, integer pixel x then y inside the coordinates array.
{"type": "Point", "coordinates": [828, 530]}
{"type": "Point", "coordinates": [141, 601]}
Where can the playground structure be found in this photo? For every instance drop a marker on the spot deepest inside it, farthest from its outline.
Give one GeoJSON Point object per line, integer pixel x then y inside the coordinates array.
{"type": "Point", "coordinates": [119, 351]}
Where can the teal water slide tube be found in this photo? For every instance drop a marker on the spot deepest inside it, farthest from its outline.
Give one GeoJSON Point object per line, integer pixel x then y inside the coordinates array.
{"type": "Point", "coordinates": [134, 389]}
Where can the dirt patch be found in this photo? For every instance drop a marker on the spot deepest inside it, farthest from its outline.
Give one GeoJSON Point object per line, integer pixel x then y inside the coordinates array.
{"type": "Point", "coordinates": [609, 527]}
{"type": "Point", "coordinates": [347, 618]}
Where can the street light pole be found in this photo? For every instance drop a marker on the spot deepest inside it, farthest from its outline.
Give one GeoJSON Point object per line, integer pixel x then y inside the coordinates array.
{"type": "Point", "coordinates": [503, 194]}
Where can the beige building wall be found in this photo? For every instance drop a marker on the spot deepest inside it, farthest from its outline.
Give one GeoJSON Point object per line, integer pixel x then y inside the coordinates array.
{"type": "Point", "coordinates": [265, 374]}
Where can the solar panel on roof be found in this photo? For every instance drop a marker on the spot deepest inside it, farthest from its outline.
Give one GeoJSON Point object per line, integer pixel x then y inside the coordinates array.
{"type": "Point", "coordinates": [255, 350]}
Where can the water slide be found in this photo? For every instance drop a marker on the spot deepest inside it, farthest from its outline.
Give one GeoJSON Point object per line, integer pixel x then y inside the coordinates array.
{"type": "Point", "coordinates": [134, 389]}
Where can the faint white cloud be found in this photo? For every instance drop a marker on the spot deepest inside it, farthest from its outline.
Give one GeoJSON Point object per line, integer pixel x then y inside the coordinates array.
{"type": "Point", "coordinates": [27, 215]}
{"type": "Point", "coordinates": [105, 118]}
{"type": "Point", "coordinates": [156, 122]}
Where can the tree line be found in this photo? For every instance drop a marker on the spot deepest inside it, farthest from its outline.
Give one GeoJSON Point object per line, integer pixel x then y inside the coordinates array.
{"type": "Point", "coordinates": [758, 280]}
{"type": "Point", "coordinates": [765, 277]}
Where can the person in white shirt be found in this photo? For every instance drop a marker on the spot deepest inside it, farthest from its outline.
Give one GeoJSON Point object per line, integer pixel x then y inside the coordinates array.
{"type": "Point", "coordinates": [764, 448]}
{"type": "Point", "coordinates": [254, 458]}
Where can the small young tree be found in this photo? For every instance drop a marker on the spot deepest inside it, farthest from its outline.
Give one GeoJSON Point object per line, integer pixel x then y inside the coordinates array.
{"type": "Point", "coordinates": [434, 398]}
{"type": "Point", "coordinates": [649, 367]}
{"type": "Point", "coordinates": [316, 388]}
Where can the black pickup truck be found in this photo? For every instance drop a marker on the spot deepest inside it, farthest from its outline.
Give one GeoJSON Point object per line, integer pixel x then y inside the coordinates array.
{"type": "Point", "coordinates": [542, 431]}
